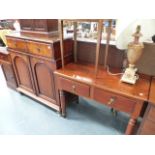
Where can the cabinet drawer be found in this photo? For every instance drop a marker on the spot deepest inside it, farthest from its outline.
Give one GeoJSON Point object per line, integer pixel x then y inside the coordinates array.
{"type": "Point", "coordinates": [151, 114]}
{"type": "Point", "coordinates": [41, 49]}
{"type": "Point", "coordinates": [115, 101]}
{"type": "Point", "coordinates": [74, 87]}
{"type": "Point", "coordinates": [17, 44]}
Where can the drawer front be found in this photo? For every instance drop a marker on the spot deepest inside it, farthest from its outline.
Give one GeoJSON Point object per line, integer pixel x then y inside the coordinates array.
{"type": "Point", "coordinates": [115, 101]}
{"type": "Point", "coordinates": [17, 44]}
{"type": "Point", "coordinates": [41, 49]}
{"type": "Point", "coordinates": [151, 114]}
{"type": "Point", "coordinates": [74, 87]}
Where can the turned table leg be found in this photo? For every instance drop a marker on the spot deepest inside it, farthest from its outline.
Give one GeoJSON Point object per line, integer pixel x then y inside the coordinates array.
{"type": "Point", "coordinates": [130, 127]}
{"type": "Point", "coordinates": [62, 102]}
{"type": "Point", "coordinates": [133, 118]}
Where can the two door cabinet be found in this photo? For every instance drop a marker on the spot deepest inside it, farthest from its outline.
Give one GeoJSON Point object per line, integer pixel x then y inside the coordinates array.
{"type": "Point", "coordinates": [34, 61]}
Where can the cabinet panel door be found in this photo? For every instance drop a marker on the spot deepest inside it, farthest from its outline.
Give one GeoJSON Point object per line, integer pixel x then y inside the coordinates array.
{"type": "Point", "coordinates": [40, 25]}
{"type": "Point", "coordinates": [26, 24]}
{"type": "Point", "coordinates": [9, 74]}
{"type": "Point", "coordinates": [23, 71]}
{"type": "Point", "coordinates": [44, 78]}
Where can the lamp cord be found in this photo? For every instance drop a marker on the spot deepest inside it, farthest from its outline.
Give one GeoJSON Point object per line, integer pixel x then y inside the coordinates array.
{"type": "Point", "coordinates": [114, 74]}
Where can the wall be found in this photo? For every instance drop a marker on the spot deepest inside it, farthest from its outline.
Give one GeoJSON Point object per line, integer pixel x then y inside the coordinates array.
{"type": "Point", "coordinates": [146, 64]}
{"type": "Point", "coordinates": [86, 52]}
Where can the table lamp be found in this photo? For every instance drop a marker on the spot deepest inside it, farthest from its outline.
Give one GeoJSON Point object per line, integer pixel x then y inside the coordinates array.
{"type": "Point", "coordinates": [124, 41]}
{"type": "Point", "coordinates": [134, 51]}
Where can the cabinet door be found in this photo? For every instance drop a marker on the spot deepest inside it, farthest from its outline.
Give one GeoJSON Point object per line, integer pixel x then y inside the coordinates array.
{"type": "Point", "coordinates": [26, 24]}
{"type": "Point", "coordinates": [44, 78]}
{"type": "Point", "coordinates": [9, 75]}
{"type": "Point", "coordinates": [23, 73]}
{"type": "Point", "coordinates": [40, 25]}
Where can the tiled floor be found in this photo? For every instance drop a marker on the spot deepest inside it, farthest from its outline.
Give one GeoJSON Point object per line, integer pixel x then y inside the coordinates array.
{"type": "Point", "coordinates": [22, 115]}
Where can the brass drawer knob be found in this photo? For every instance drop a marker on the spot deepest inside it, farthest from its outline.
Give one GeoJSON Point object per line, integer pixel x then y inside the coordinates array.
{"type": "Point", "coordinates": [112, 100]}
{"type": "Point", "coordinates": [38, 49]}
{"type": "Point", "coordinates": [73, 88]}
{"type": "Point", "coordinates": [15, 44]}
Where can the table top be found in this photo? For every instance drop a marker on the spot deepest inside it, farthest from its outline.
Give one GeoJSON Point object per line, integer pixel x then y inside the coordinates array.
{"type": "Point", "coordinates": [152, 92]}
{"type": "Point", "coordinates": [85, 73]}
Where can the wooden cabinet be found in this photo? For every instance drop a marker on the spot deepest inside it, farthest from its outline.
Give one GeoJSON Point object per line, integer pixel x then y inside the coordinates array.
{"type": "Point", "coordinates": [7, 68]}
{"type": "Point", "coordinates": [34, 62]}
{"type": "Point", "coordinates": [39, 27]}
{"type": "Point", "coordinates": [147, 126]}
{"type": "Point", "coordinates": [43, 77]}
{"type": "Point", "coordinates": [9, 75]}
{"type": "Point", "coordinates": [22, 69]}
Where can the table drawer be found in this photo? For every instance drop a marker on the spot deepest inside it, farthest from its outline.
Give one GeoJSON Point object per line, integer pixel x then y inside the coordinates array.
{"type": "Point", "coordinates": [74, 87]}
{"type": "Point", "coordinates": [115, 101]}
{"type": "Point", "coordinates": [17, 44]}
{"type": "Point", "coordinates": [41, 49]}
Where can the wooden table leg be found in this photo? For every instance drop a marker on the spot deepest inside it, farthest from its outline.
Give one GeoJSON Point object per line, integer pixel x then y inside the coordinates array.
{"type": "Point", "coordinates": [130, 127]}
{"type": "Point", "coordinates": [133, 118]}
{"type": "Point", "coordinates": [62, 102]}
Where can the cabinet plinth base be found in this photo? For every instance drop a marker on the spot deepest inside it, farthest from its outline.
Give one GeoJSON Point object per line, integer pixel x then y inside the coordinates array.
{"type": "Point", "coordinates": [50, 104]}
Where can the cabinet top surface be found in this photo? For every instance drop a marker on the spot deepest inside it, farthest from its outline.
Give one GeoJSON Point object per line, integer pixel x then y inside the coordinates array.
{"type": "Point", "coordinates": [32, 37]}
{"type": "Point", "coordinates": [85, 73]}
{"type": "Point", "coordinates": [152, 92]}
{"type": "Point", "coordinates": [3, 50]}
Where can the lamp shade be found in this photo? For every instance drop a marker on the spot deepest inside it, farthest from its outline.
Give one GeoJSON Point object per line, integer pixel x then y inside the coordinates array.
{"type": "Point", "coordinates": [126, 27]}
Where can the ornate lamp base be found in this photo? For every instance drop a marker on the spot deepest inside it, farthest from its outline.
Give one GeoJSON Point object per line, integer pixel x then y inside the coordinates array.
{"type": "Point", "coordinates": [135, 50]}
